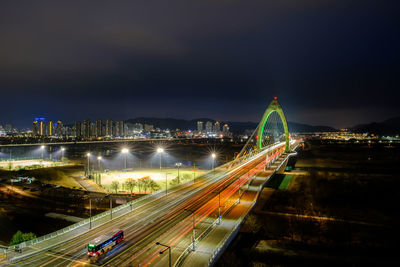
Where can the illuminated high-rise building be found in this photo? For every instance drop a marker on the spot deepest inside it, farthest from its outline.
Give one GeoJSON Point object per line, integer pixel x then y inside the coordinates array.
{"type": "Point", "coordinates": [78, 130]}
{"type": "Point", "coordinates": [92, 132]}
{"type": "Point", "coordinates": [50, 129]}
{"type": "Point", "coordinates": [59, 128]}
{"type": "Point", "coordinates": [42, 127]}
{"type": "Point", "coordinates": [200, 126]}
{"type": "Point", "coordinates": [225, 130]}
{"type": "Point", "coordinates": [8, 128]}
{"type": "Point", "coordinates": [119, 128]}
{"type": "Point", "coordinates": [109, 127]}
{"type": "Point", "coordinates": [217, 127]}
{"type": "Point", "coordinates": [208, 126]}
{"type": "Point", "coordinates": [86, 128]}
{"type": "Point", "coordinates": [98, 128]}
{"type": "Point", "coordinates": [35, 129]}
{"type": "Point", "coordinates": [126, 130]}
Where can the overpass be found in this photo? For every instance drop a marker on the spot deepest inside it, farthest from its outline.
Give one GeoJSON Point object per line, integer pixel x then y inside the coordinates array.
{"type": "Point", "coordinates": [194, 221]}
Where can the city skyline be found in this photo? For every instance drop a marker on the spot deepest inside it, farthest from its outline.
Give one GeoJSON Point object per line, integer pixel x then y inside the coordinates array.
{"type": "Point", "coordinates": [333, 64]}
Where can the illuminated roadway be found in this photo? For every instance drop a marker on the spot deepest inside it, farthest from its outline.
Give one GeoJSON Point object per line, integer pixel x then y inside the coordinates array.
{"type": "Point", "coordinates": [165, 219]}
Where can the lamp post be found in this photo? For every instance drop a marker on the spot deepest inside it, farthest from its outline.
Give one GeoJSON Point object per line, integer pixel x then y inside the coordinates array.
{"type": "Point", "coordinates": [88, 163]}
{"type": "Point", "coordinates": [193, 232]}
{"type": "Point", "coordinates": [178, 164]}
{"type": "Point", "coordinates": [166, 248]}
{"type": "Point", "coordinates": [160, 151]}
{"type": "Point", "coordinates": [42, 151]}
{"type": "Point", "coordinates": [62, 153]}
{"type": "Point", "coordinates": [125, 152]}
{"type": "Point", "coordinates": [213, 159]}
{"type": "Point", "coordinates": [99, 162]}
{"type": "Point", "coordinates": [166, 183]}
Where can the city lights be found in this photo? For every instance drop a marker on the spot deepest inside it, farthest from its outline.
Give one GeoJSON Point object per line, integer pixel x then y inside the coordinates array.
{"type": "Point", "coordinates": [213, 155]}
{"type": "Point", "coordinates": [42, 151]}
{"type": "Point", "coordinates": [88, 163]}
{"type": "Point", "coordinates": [125, 152]}
{"type": "Point", "coordinates": [62, 153]}
{"type": "Point", "coordinates": [178, 164]}
{"type": "Point", "coordinates": [160, 151]}
{"type": "Point", "coordinates": [99, 162]}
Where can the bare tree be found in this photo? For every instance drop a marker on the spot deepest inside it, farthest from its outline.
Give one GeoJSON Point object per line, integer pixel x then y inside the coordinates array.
{"type": "Point", "coordinates": [115, 186]}
{"type": "Point", "coordinates": [130, 184]}
{"type": "Point", "coordinates": [153, 185]}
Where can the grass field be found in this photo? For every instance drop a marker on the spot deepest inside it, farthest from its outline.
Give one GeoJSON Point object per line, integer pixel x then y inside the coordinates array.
{"type": "Point", "coordinates": [29, 164]}
{"type": "Point", "coordinates": [158, 176]}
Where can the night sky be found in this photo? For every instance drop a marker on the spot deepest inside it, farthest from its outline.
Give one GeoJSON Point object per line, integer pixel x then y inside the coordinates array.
{"type": "Point", "coordinates": [333, 63]}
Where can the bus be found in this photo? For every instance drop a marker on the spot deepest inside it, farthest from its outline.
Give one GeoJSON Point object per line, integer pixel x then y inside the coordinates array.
{"type": "Point", "coordinates": [104, 243]}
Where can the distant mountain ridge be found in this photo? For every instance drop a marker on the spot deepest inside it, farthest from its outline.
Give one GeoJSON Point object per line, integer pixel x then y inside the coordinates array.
{"type": "Point", "coordinates": [235, 127]}
{"type": "Point", "coordinates": [387, 127]}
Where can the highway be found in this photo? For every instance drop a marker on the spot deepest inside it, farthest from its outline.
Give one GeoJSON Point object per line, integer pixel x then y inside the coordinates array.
{"type": "Point", "coordinates": [167, 219]}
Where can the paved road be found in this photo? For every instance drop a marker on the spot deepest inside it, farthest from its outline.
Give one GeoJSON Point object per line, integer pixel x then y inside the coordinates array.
{"type": "Point", "coordinates": [165, 219]}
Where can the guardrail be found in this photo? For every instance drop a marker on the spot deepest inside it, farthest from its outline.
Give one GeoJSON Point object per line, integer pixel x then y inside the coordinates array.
{"type": "Point", "coordinates": [228, 237]}
{"type": "Point", "coordinates": [81, 223]}
{"type": "Point", "coordinates": [186, 252]}
{"type": "Point", "coordinates": [94, 218]}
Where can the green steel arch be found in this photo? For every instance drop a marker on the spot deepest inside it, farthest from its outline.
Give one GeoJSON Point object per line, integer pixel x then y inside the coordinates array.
{"type": "Point", "coordinates": [274, 106]}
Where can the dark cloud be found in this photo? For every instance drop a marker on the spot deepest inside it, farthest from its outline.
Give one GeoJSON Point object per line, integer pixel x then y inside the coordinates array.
{"type": "Point", "coordinates": [330, 62]}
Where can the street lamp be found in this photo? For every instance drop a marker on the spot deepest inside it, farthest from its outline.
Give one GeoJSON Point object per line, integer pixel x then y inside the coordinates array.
{"type": "Point", "coordinates": [178, 164]}
{"type": "Point", "coordinates": [213, 159]}
{"type": "Point", "coordinates": [98, 162]}
{"type": "Point", "coordinates": [62, 153]}
{"type": "Point", "coordinates": [125, 152]}
{"type": "Point", "coordinates": [166, 183]}
{"type": "Point", "coordinates": [88, 162]}
{"type": "Point", "coordinates": [166, 248]}
{"type": "Point", "coordinates": [42, 150]}
{"type": "Point", "coordinates": [160, 151]}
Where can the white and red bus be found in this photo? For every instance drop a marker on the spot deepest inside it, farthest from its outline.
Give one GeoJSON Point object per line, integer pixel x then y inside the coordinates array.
{"type": "Point", "coordinates": [104, 243]}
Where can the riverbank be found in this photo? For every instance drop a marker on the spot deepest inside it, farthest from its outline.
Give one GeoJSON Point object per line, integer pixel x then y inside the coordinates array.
{"type": "Point", "coordinates": [337, 209]}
